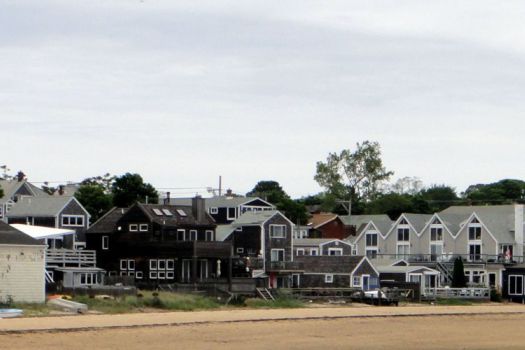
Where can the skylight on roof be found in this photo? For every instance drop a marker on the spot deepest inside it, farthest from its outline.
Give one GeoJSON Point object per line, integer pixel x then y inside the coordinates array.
{"type": "Point", "coordinates": [157, 211]}
{"type": "Point", "coordinates": [167, 212]}
{"type": "Point", "coordinates": [181, 212]}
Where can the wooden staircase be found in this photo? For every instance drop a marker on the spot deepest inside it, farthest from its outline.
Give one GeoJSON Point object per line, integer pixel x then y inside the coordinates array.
{"type": "Point", "coordinates": [265, 294]}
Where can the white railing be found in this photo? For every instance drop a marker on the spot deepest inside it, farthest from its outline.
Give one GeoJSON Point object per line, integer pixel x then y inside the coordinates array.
{"type": "Point", "coordinates": [70, 258]}
{"type": "Point", "coordinates": [458, 293]}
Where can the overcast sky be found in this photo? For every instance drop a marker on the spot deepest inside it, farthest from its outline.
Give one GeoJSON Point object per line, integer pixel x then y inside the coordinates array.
{"type": "Point", "coordinates": [184, 91]}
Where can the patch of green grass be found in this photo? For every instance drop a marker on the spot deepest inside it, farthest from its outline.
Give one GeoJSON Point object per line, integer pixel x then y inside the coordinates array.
{"type": "Point", "coordinates": [31, 309]}
{"type": "Point", "coordinates": [161, 300]}
{"type": "Point", "coordinates": [278, 303]}
{"type": "Point", "coordinates": [458, 302]}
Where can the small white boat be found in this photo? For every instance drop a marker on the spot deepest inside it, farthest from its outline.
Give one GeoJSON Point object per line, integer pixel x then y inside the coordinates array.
{"type": "Point", "coordinates": [6, 313]}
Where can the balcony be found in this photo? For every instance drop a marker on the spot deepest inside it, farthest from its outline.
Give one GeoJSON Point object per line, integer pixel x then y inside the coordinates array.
{"type": "Point", "coordinates": [443, 258]}
{"type": "Point", "coordinates": [70, 258]}
{"type": "Point", "coordinates": [284, 266]}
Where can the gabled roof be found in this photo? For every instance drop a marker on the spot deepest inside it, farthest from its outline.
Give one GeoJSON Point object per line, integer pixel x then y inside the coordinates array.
{"type": "Point", "coordinates": [42, 232]}
{"type": "Point", "coordinates": [499, 219]}
{"type": "Point", "coordinates": [418, 221]}
{"type": "Point", "coordinates": [10, 187]}
{"type": "Point", "coordinates": [406, 269]}
{"type": "Point", "coordinates": [329, 264]}
{"type": "Point", "coordinates": [223, 231]}
{"type": "Point", "coordinates": [321, 219]}
{"type": "Point", "coordinates": [10, 235]}
{"type": "Point", "coordinates": [40, 206]}
{"type": "Point", "coordinates": [314, 242]}
{"type": "Point", "coordinates": [220, 201]}
{"type": "Point", "coordinates": [381, 221]}
{"type": "Point", "coordinates": [108, 222]}
{"type": "Point", "coordinates": [176, 219]}
{"type": "Point", "coordinates": [256, 217]}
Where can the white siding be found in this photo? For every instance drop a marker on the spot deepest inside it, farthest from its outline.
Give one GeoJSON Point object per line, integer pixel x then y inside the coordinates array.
{"type": "Point", "coordinates": [22, 276]}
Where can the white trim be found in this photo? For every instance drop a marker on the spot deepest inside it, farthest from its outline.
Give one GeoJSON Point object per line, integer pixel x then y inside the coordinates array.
{"type": "Point", "coordinates": [332, 249]}
{"type": "Point", "coordinates": [329, 278]}
{"type": "Point", "coordinates": [105, 242]}
{"type": "Point", "coordinates": [214, 210]}
{"type": "Point", "coordinates": [361, 262]}
{"type": "Point", "coordinates": [283, 233]}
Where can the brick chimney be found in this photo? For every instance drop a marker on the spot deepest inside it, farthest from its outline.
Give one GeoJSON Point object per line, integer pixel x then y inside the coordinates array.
{"type": "Point", "coordinates": [198, 208]}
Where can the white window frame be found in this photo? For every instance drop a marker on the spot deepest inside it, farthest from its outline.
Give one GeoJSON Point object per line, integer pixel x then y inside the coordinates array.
{"type": "Point", "coordinates": [228, 217]}
{"type": "Point", "coordinates": [153, 275]}
{"type": "Point", "coordinates": [133, 227]}
{"type": "Point", "coordinates": [240, 250]}
{"type": "Point", "coordinates": [328, 278]}
{"type": "Point", "coordinates": [143, 227]}
{"type": "Point", "coordinates": [281, 234]}
{"type": "Point", "coordinates": [170, 264]}
{"type": "Point", "coordinates": [209, 235]}
{"type": "Point", "coordinates": [193, 235]}
{"type": "Point", "coordinates": [105, 242]}
{"type": "Point", "coordinates": [371, 249]}
{"type": "Point", "coordinates": [404, 244]}
{"type": "Point", "coordinates": [214, 210]}
{"type": "Point", "coordinates": [123, 264]}
{"type": "Point", "coordinates": [516, 277]}
{"type": "Point", "coordinates": [153, 264]}
{"type": "Point", "coordinates": [74, 218]}
{"type": "Point", "coordinates": [403, 227]}
{"type": "Point", "coordinates": [170, 275]}
{"type": "Point", "coordinates": [331, 249]}
{"type": "Point", "coordinates": [376, 239]}
{"type": "Point", "coordinates": [299, 250]}
{"type": "Point", "coordinates": [476, 226]}
{"type": "Point", "coordinates": [161, 264]}
{"type": "Point", "coordinates": [277, 250]}
{"type": "Point", "coordinates": [139, 275]}
{"type": "Point", "coordinates": [354, 250]}
{"type": "Point", "coordinates": [356, 279]}
{"type": "Point", "coordinates": [183, 231]}
{"type": "Point", "coordinates": [437, 228]}
{"type": "Point", "coordinates": [316, 250]}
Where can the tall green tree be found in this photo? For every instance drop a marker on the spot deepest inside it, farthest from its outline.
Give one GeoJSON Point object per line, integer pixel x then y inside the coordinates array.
{"type": "Point", "coordinates": [95, 199]}
{"type": "Point", "coordinates": [501, 192]}
{"type": "Point", "coordinates": [130, 188]}
{"type": "Point", "coordinates": [439, 197]}
{"type": "Point", "coordinates": [355, 175]}
{"type": "Point", "coordinates": [272, 192]}
{"type": "Point", "coordinates": [393, 204]}
{"type": "Point", "coordinates": [268, 190]}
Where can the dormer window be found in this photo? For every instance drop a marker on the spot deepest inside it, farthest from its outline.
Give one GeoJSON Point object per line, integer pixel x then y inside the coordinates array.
{"type": "Point", "coordinates": [214, 210]}
{"type": "Point", "coordinates": [133, 227]}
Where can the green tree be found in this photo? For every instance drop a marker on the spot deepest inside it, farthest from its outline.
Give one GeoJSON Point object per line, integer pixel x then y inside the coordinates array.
{"type": "Point", "coordinates": [458, 274]}
{"type": "Point", "coordinates": [353, 175]}
{"type": "Point", "coordinates": [106, 181]}
{"type": "Point", "coordinates": [130, 188]}
{"type": "Point", "coordinates": [272, 192]}
{"type": "Point", "coordinates": [1, 192]}
{"type": "Point", "coordinates": [501, 192]}
{"type": "Point", "coordinates": [439, 197]}
{"type": "Point", "coordinates": [392, 204]}
{"type": "Point", "coordinates": [268, 190]}
{"type": "Point", "coordinates": [95, 199]}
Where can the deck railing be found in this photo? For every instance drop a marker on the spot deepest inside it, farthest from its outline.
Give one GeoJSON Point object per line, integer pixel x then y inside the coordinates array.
{"type": "Point", "coordinates": [444, 258]}
{"type": "Point", "coordinates": [457, 293]}
{"type": "Point", "coordinates": [70, 258]}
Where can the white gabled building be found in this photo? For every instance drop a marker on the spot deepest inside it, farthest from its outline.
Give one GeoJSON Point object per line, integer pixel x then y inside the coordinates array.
{"type": "Point", "coordinates": [22, 267]}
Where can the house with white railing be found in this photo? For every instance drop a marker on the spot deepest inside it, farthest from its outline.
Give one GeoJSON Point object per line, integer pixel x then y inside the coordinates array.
{"type": "Point", "coordinates": [487, 238]}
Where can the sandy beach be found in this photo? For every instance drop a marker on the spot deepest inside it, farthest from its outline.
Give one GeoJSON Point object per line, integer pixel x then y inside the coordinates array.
{"type": "Point", "coordinates": [458, 327]}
